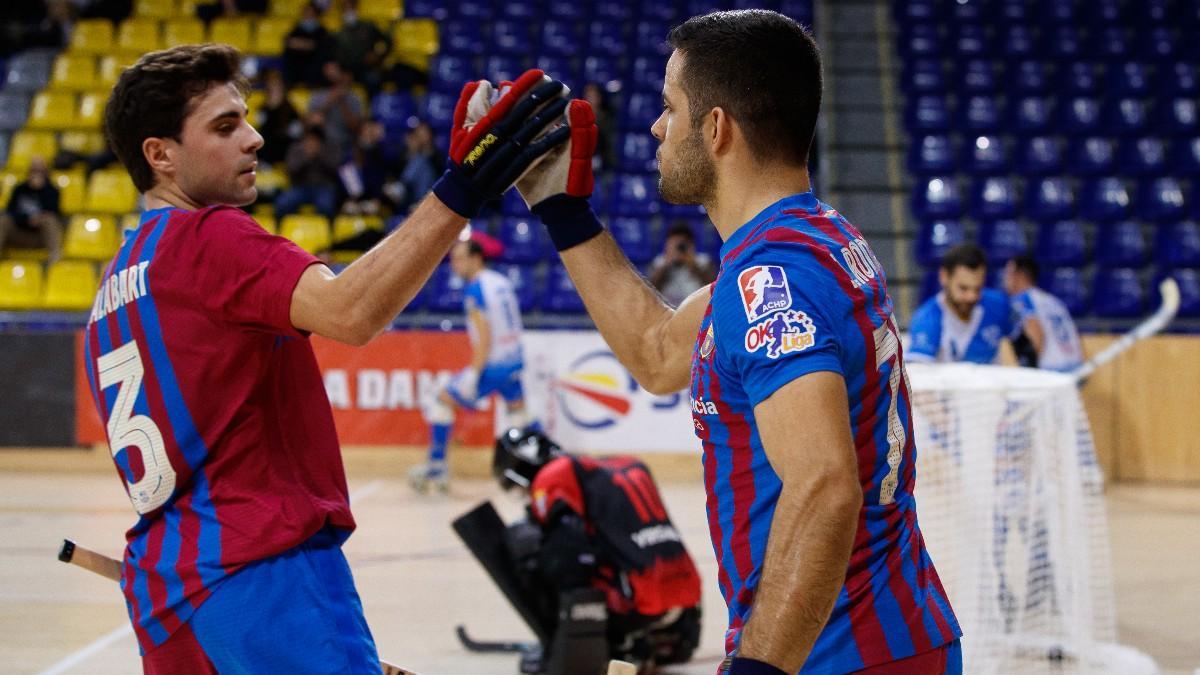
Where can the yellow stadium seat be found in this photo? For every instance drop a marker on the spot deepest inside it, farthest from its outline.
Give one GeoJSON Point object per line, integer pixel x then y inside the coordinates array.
{"type": "Point", "coordinates": [155, 9]}
{"type": "Point", "coordinates": [269, 34]}
{"type": "Point", "coordinates": [20, 284]}
{"type": "Point", "coordinates": [71, 190]}
{"type": "Point", "coordinates": [381, 12]}
{"type": "Point", "coordinates": [111, 66]}
{"type": "Point", "coordinates": [188, 7]}
{"type": "Point", "coordinates": [418, 60]}
{"type": "Point", "coordinates": [29, 144]}
{"type": "Point", "coordinates": [82, 142]}
{"type": "Point", "coordinates": [8, 181]}
{"type": "Point", "coordinates": [288, 8]}
{"type": "Point", "coordinates": [183, 32]}
{"type": "Point", "coordinates": [92, 36]}
{"type": "Point", "coordinates": [90, 114]}
{"type": "Point", "coordinates": [74, 72]}
{"type": "Point", "coordinates": [91, 237]}
{"type": "Point", "coordinates": [233, 31]}
{"type": "Point", "coordinates": [416, 35]}
{"type": "Point", "coordinates": [30, 254]}
{"type": "Point", "coordinates": [271, 179]}
{"type": "Point", "coordinates": [138, 36]}
{"type": "Point", "coordinates": [309, 231]}
{"type": "Point", "coordinates": [299, 98]}
{"type": "Point", "coordinates": [52, 110]}
{"type": "Point", "coordinates": [130, 221]}
{"type": "Point", "coordinates": [332, 21]}
{"type": "Point", "coordinates": [70, 285]}
{"type": "Point", "coordinates": [267, 221]}
{"type": "Point", "coordinates": [111, 191]}
{"type": "Point", "coordinates": [254, 102]}
{"type": "Point", "coordinates": [345, 227]}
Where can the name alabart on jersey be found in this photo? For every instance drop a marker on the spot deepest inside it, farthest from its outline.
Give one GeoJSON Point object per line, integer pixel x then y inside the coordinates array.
{"type": "Point", "coordinates": [123, 287]}
{"type": "Point", "coordinates": [785, 332]}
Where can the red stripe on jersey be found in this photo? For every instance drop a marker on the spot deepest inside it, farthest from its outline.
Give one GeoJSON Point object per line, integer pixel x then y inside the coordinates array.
{"type": "Point", "coordinates": [753, 237]}
{"type": "Point", "coordinates": [189, 548]}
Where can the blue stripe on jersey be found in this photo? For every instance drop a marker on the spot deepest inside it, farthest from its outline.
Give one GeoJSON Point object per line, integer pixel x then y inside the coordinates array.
{"type": "Point", "coordinates": [886, 605]}
{"type": "Point", "coordinates": [141, 591]}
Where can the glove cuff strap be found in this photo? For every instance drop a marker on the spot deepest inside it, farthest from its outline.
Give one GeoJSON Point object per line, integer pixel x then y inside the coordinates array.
{"type": "Point", "coordinates": [569, 220]}
{"type": "Point", "coordinates": [744, 666]}
{"type": "Point", "coordinates": [458, 194]}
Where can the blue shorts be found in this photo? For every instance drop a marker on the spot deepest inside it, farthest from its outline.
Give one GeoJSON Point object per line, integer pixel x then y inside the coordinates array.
{"type": "Point", "coordinates": [297, 612]}
{"type": "Point", "coordinates": [503, 379]}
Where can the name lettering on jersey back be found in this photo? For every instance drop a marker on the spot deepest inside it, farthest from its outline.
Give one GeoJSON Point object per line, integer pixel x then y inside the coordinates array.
{"type": "Point", "coordinates": [654, 535]}
{"type": "Point", "coordinates": [120, 289]}
{"type": "Point", "coordinates": [860, 262]}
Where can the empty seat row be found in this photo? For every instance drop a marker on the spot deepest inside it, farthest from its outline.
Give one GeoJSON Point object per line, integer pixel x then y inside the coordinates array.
{"type": "Point", "coordinates": [1035, 115]}
{"type": "Point", "coordinates": [68, 285]}
{"type": "Point", "coordinates": [1127, 79]}
{"type": "Point", "coordinates": [1141, 14]}
{"type": "Point", "coordinates": [138, 35]}
{"type": "Point", "coordinates": [991, 154]}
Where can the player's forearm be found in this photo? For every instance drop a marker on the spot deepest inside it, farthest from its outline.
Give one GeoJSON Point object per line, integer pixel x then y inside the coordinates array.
{"type": "Point", "coordinates": [808, 552]}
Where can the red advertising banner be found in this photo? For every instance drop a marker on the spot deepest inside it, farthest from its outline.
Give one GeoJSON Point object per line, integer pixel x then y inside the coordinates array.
{"type": "Point", "coordinates": [376, 392]}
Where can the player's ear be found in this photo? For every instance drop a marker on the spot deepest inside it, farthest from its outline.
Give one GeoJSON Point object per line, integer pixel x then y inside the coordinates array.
{"type": "Point", "coordinates": [159, 155]}
{"type": "Point", "coordinates": [718, 130]}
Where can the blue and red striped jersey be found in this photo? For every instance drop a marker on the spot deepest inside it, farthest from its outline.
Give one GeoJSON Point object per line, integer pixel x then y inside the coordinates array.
{"type": "Point", "coordinates": [214, 408]}
{"type": "Point", "coordinates": [800, 291]}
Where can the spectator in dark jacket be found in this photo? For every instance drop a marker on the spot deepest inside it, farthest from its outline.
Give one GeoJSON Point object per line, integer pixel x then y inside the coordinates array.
{"type": "Point", "coordinates": [33, 218]}
{"type": "Point", "coordinates": [306, 49]}
{"type": "Point", "coordinates": [313, 172]}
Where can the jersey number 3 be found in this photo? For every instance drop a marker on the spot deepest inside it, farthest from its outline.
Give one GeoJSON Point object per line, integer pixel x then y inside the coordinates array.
{"type": "Point", "coordinates": [123, 367]}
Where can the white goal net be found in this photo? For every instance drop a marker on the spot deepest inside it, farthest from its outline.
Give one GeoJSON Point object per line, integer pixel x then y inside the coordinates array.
{"type": "Point", "coordinates": [1011, 504]}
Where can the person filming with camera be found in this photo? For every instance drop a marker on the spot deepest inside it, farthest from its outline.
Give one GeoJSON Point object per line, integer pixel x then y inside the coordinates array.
{"type": "Point", "coordinates": [679, 269]}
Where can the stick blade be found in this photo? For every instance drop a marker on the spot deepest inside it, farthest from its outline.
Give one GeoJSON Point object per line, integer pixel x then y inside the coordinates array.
{"type": "Point", "coordinates": [616, 667]}
{"type": "Point", "coordinates": [1169, 290]}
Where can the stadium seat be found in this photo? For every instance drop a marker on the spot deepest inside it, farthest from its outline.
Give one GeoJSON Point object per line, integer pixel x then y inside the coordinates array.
{"type": "Point", "coordinates": [1018, 42]}
{"type": "Point", "coordinates": [380, 12]}
{"type": "Point", "coordinates": [651, 37]}
{"type": "Point", "coordinates": [1080, 116]}
{"type": "Point", "coordinates": [984, 156]}
{"type": "Point", "coordinates": [346, 226]}
{"type": "Point", "coordinates": [20, 284]}
{"type": "Point", "coordinates": [966, 14]}
{"type": "Point", "coordinates": [155, 9]}
{"type": "Point", "coordinates": [90, 113]}
{"type": "Point", "coordinates": [52, 110]}
{"type": "Point", "coordinates": [601, 69]}
{"type": "Point", "coordinates": [1049, 199]}
{"type": "Point", "coordinates": [1185, 156]}
{"type": "Point", "coordinates": [287, 8]}
{"type": "Point", "coordinates": [1160, 200]}
{"type": "Point", "coordinates": [91, 237]}
{"type": "Point", "coordinates": [636, 195]}
{"type": "Point", "coordinates": [1067, 284]}
{"type": "Point", "coordinates": [572, 10]}
{"type": "Point", "coordinates": [562, 67]}
{"type": "Point", "coordinates": [935, 238]}
{"type": "Point", "coordinates": [1061, 242]}
{"type": "Point", "coordinates": [234, 31]}
{"type": "Point", "coordinates": [1158, 45]}
{"type": "Point", "coordinates": [524, 239]}
{"type": "Point", "coordinates": [8, 180]}
{"type": "Point", "coordinates": [1091, 156]}
{"type": "Point", "coordinates": [186, 31]}
{"type": "Point", "coordinates": [646, 73]}
{"type": "Point", "coordinates": [632, 235]}
{"type": "Point", "coordinates": [5, 137]}
{"type": "Point", "coordinates": [81, 142]}
{"type": "Point", "coordinates": [606, 38]}
{"type": "Point", "coordinates": [660, 11]}
{"type": "Point", "coordinates": [921, 41]}
{"type": "Point", "coordinates": [1142, 157]}
{"type": "Point", "coordinates": [446, 291]}
{"type": "Point", "coordinates": [300, 97]}
{"type": "Point", "coordinates": [448, 72]}
{"type": "Point", "coordinates": [1038, 156]}
{"type": "Point", "coordinates": [111, 191]}
{"type": "Point", "coordinates": [1121, 244]}
{"type": "Point", "coordinates": [70, 285]}
{"type": "Point", "coordinates": [1188, 281]}
{"type": "Point", "coordinates": [1065, 44]}
{"type": "Point", "coordinates": [936, 198]}
{"type": "Point", "coordinates": [421, 35]}
{"type": "Point", "coordinates": [1127, 117]}
{"type": "Point", "coordinates": [638, 153]}
{"type": "Point", "coordinates": [14, 109]}
{"type": "Point", "coordinates": [994, 198]}
{"type": "Point", "coordinates": [475, 10]}
{"type": "Point", "coordinates": [1030, 115]}
{"type": "Point", "coordinates": [501, 67]}
{"type": "Point", "coordinates": [1181, 82]}
{"type": "Point", "coordinates": [29, 71]}
{"type": "Point", "coordinates": [138, 36]}
{"type": "Point", "coordinates": [271, 32]}
{"type": "Point", "coordinates": [526, 10]}
{"type": "Point", "coordinates": [309, 231]}
{"type": "Point", "coordinates": [510, 37]}
{"type": "Point", "coordinates": [1104, 199]}
{"type": "Point", "coordinates": [927, 114]}
{"type": "Point", "coordinates": [393, 109]}
{"type": "Point", "coordinates": [931, 155]}
{"type": "Point", "coordinates": [92, 36]}
{"type": "Point", "coordinates": [522, 279]}
{"type": "Point", "coordinates": [977, 77]}
{"type": "Point", "coordinates": [612, 10]}
{"type": "Point", "coordinates": [71, 190]}
{"type": "Point", "coordinates": [917, 12]}
{"type": "Point", "coordinates": [1028, 78]}
{"type": "Point", "coordinates": [111, 66]}
{"type": "Point", "coordinates": [1002, 239]}
{"type": "Point", "coordinates": [929, 285]}
{"type": "Point", "coordinates": [1176, 117]}
{"type": "Point", "coordinates": [1111, 44]}
{"type": "Point", "coordinates": [129, 221]}
{"type": "Point", "coordinates": [560, 296]}
{"type": "Point", "coordinates": [74, 72]}
{"type": "Point", "coordinates": [439, 108]}
{"type": "Point", "coordinates": [979, 115]}
{"type": "Point", "coordinates": [459, 38]}
{"type": "Point", "coordinates": [1103, 13]}
{"type": "Point", "coordinates": [1118, 293]}
{"type": "Point", "coordinates": [511, 204]}
{"type": "Point", "coordinates": [1177, 244]}
{"type": "Point", "coordinates": [561, 37]}
{"type": "Point", "coordinates": [924, 76]}
{"type": "Point", "coordinates": [1078, 78]}
{"type": "Point", "coordinates": [26, 145]}
{"type": "Point", "coordinates": [1129, 79]}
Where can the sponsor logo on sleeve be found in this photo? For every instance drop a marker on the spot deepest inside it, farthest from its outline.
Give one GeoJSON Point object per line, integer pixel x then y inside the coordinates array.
{"type": "Point", "coordinates": [764, 290]}
{"type": "Point", "coordinates": [782, 333]}
{"type": "Point", "coordinates": [706, 346]}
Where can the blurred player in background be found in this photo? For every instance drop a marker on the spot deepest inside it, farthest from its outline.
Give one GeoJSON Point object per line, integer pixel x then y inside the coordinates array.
{"type": "Point", "coordinates": [1045, 322]}
{"type": "Point", "coordinates": [798, 390]}
{"type": "Point", "coordinates": [198, 359]}
{"type": "Point", "coordinates": [965, 321]}
{"type": "Point", "coordinates": [494, 327]}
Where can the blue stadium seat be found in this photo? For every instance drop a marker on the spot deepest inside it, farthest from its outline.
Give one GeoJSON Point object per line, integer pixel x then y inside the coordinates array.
{"type": "Point", "coordinates": [447, 293]}
{"type": "Point", "coordinates": [569, 10]}
{"type": "Point", "coordinates": [1127, 117]}
{"type": "Point", "coordinates": [14, 109]}
{"type": "Point", "coordinates": [979, 115]}
{"type": "Point", "coordinates": [1061, 242]}
{"type": "Point", "coordinates": [1028, 78]}
{"type": "Point", "coordinates": [1030, 115]}
{"type": "Point", "coordinates": [1078, 78]}
{"type": "Point", "coordinates": [1079, 116]}
{"type": "Point", "coordinates": [916, 12]}
{"type": "Point", "coordinates": [646, 73]}
{"type": "Point", "coordinates": [1016, 12]}
{"type": "Point", "coordinates": [600, 69]}
{"type": "Point", "coordinates": [1121, 244]}
{"type": "Point", "coordinates": [528, 11]}
{"type": "Point", "coordinates": [511, 37]}
{"type": "Point", "coordinates": [511, 204]}
{"type": "Point", "coordinates": [800, 10]}
{"type": "Point", "coordinates": [1142, 157]}
{"type": "Point", "coordinates": [1002, 239]}
{"type": "Point", "coordinates": [433, 9]}
{"type": "Point", "coordinates": [971, 42]}
{"type": "Point", "coordinates": [560, 296]}
{"type": "Point", "coordinates": [1112, 44]}
{"type": "Point", "coordinates": [935, 237]}
{"type": "Point", "coordinates": [1177, 244]}
{"type": "Point", "coordinates": [1128, 79]}
{"type": "Point", "coordinates": [612, 10]}
{"type": "Point", "coordinates": [448, 72]}
{"type": "Point", "coordinates": [1158, 45]}
{"type": "Point", "coordinates": [29, 71]}
{"type": "Point", "coordinates": [475, 10]}
{"type": "Point", "coordinates": [689, 212]}
{"type": "Point", "coordinates": [560, 67]}
{"type": "Point", "coordinates": [1118, 293]}
{"type": "Point", "coordinates": [562, 38]}
{"type": "Point", "coordinates": [968, 13]}
{"type": "Point", "coordinates": [525, 240]}
{"type": "Point", "coordinates": [500, 67]}
{"type": "Point", "coordinates": [606, 38]}
{"type": "Point", "coordinates": [439, 109]}
{"type": "Point", "coordinates": [994, 198]}
{"type": "Point", "coordinates": [1091, 156]}
{"type": "Point", "coordinates": [1181, 81]}
{"type": "Point", "coordinates": [641, 110]}
{"type": "Point", "coordinates": [635, 195]}
{"type": "Point", "coordinates": [637, 153]}
{"type": "Point", "coordinates": [1018, 42]}
{"type": "Point", "coordinates": [1065, 44]}
{"type": "Point", "coordinates": [1152, 13]}
{"type": "Point", "coordinates": [929, 155]}
{"type": "Point", "coordinates": [977, 76]}
{"type": "Point", "coordinates": [393, 109]}
{"type": "Point", "coordinates": [633, 236]}
{"type": "Point", "coordinates": [650, 35]}
{"type": "Point", "coordinates": [1160, 200]}
{"type": "Point", "coordinates": [922, 41]}
{"type": "Point", "coordinates": [1038, 156]}
{"type": "Point", "coordinates": [924, 76]}
{"type": "Point", "coordinates": [1176, 117]}
{"type": "Point", "coordinates": [522, 279]}
{"type": "Point", "coordinates": [1067, 284]}
{"type": "Point", "coordinates": [929, 285]}
{"type": "Point", "coordinates": [1107, 13]}
{"type": "Point", "coordinates": [463, 37]}
{"type": "Point", "coordinates": [1104, 200]}
{"type": "Point", "coordinates": [936, 198]}
{"type": "Point", "coordinates": [1185, 157]}
{"type": "Point", "coordinates": [659, 11]}
{"type": "Point", "coordinates": [1188, 281]}
{"type": "Point", "coordinates": [1049, 199]}
{"type": "Point", "coordinates": [927, 114]}
{"type": "Point", "coordinates": [1061, 12]}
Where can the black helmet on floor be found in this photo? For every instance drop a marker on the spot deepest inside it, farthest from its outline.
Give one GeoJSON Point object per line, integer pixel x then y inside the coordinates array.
{"type": "Point", "coordinates": [520, 454]}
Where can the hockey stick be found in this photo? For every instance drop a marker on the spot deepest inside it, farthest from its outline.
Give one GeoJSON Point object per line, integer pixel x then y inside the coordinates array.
{"type": "Point", "coordinates": [1169, 290]}
{"type": "Point", "coordinates": [111, 569]}
{"type": "Point", "coordinates": [482, 646]}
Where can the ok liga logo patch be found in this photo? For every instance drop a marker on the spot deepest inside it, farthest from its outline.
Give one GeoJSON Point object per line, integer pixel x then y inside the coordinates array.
{"type": "Point", "coordinates": [764, 289]}
{"type": "Point", "coordinates": [783, 333]}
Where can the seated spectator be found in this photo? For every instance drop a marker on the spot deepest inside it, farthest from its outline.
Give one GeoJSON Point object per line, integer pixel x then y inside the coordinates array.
{"type": "Point", "coordinates": [313, 171]}
{"type": "Point", "coordinates": [360, 47]}
{"type": "Point", "coordinates": [32, 218]}
{"type": "Point", "coordinates": [278, 122]}
{"type": "Point", "coordinates": [207, 11]}
{"type": "Point", "coordinates": [369, 168]}
{"type": "Point", "coordinates": [337, 109]}
{"type": "Point", "coordinates": [594, 94]}
{"type": "Point", "coordinates": [306, 49]}
{"type": "Point", "coordinates": [679, 269]}
{"type": "Point", "coordinates": [422, 166]}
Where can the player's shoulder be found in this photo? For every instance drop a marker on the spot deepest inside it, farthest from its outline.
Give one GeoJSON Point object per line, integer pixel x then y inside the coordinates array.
{"type": "Point", "coordinates": [994, 299]}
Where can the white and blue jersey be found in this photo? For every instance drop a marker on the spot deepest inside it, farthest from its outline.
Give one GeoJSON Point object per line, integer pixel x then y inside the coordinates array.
{"type": "Point", "coordinates": [939, 335]}
{"type": "Point", "coordinates": [1061, 349]}
{"type": "Point", "coordinates": [491, 293]}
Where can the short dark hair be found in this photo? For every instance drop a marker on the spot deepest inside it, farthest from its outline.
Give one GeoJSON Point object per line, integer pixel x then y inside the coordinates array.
{"type": "Point", "coordinates": [966, 255]}
{"type": "Point", "coordinates": [1028, 265]}
{"type": "Point", "coordinates": [762, 68]}
{"type": "Point", "coordinates": [474, 248]}
{"type": "Point", "coordinates": [154, 96]}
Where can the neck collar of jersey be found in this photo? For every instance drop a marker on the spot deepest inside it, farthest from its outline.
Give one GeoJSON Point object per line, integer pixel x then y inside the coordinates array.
{"type": "Point", "coordinates": [804, 200]}
{"type": "Point", "coordinates": [147, 216]}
